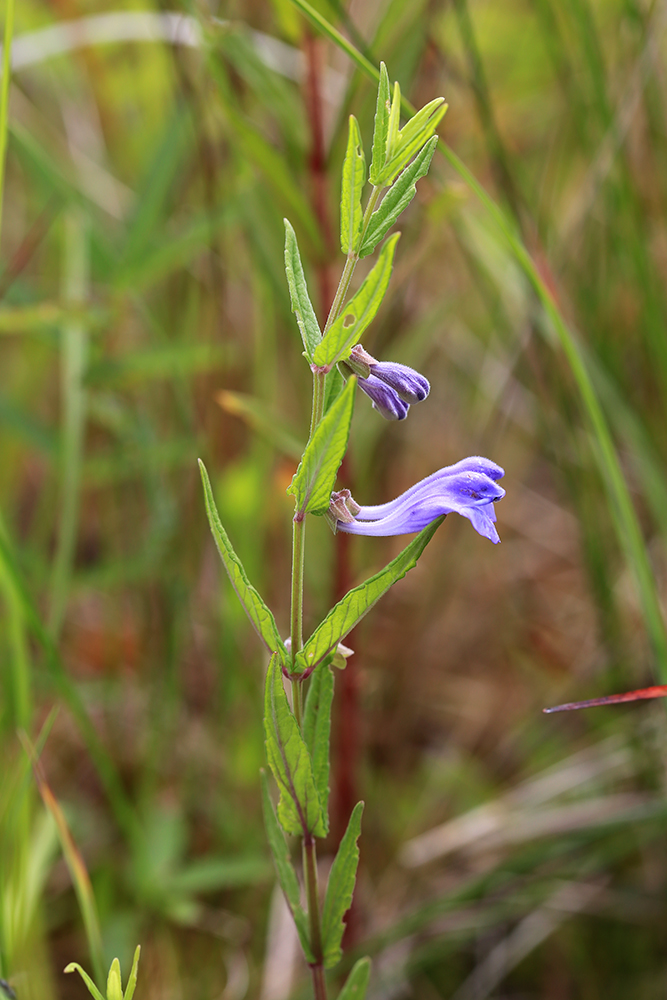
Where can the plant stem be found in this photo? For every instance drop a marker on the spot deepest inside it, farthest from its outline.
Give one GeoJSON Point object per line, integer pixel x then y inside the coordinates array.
{"type": "Point", "coordinates": [312, 896]}
{"type": "Point", "coordinates": [4, 88]}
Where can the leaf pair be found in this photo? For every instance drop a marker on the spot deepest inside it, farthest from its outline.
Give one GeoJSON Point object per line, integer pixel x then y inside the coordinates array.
{"type": "Point", "coordinates": [300, 763]}
{"type": "Point", "coordinates": [393, 148]}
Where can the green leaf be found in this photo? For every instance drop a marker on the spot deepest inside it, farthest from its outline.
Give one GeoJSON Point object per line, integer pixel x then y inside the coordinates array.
{"type": "Point", "coordinates": [92, 988]}
{"type": "Point", "coordinates": [354, 178]}
{"type": "Point", "coordinates": [333, 386]}
{"type": "Point", "coordinates": [351, 609]}
{"type": "Point", "coordinates": [394, 120]}
{"type": "Point", "coordinates": [114, 985]}
{"type": "Point", "coordinates": [340, 887]}
{"type": "Point", "coordinates": [357, 981]}
{"type": "Point", "coordinates": [255, 608]}
{"type": "Point", "coordinates": [299, 809]}
{"type": "Point", "coordinates": [317, 730]}
{"type": "Point", "coordinates": [302, 307]}
{"type": "Point", "coordinates": [381, 129]}
{"type": "Point", "coordinates": [285, 870]}
{"type": "Point", "coordinates": [316, 476]}
{"type": "Point", "coordinates": [360, 311]}
{"type": "Point", "coordinates": [397, 198]}
{"type": "Point", "coordinates": [132, 981]}
{"type": "Point", "coordinates": [413, 137]}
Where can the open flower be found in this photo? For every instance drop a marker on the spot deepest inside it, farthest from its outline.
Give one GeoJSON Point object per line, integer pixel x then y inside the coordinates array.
{"type": "Point", "coordinates": [469, 488]}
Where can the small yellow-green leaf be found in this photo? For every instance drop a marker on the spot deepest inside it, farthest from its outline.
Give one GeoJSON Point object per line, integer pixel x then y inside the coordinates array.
{"type": "Point", "coordinates": [92, 988]}
{"type": "Point", "coordinates": [357, 981]}
{"type": "Point", "coordinates": [360, 311]}
{"type": "Point", "coordinates": [354, 178]}
{"type": "Point", "coordinates": [114, 985]}
{"type": "Point", "coordinates": [412, 137]}
{"type": "Point", "coordinates": [132, 981]}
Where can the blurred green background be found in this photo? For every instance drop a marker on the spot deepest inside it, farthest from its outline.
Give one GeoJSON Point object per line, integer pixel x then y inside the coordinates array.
{"type": "Point", "coordinates": [145, 322]}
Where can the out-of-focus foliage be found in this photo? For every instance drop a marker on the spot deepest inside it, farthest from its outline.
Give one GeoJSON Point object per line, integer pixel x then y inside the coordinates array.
{"type": "Point", "coordinates": [145, 321]}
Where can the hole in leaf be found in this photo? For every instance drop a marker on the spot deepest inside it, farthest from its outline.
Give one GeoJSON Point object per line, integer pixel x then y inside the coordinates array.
{"type": "Point", "coordinates": [349, 320]}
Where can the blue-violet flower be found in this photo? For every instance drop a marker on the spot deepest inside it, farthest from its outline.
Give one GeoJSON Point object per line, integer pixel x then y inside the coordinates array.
{"type": "Point", "coordinates": [387, 402]}
{"type": "Point", "coordinates": [469, 488]}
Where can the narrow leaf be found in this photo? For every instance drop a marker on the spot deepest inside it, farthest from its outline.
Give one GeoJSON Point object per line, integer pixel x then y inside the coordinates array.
{"type": "Point", "coordinates": [357, 981]}
{"type": "Point", "coordinates": [255, 608]}
{"type": "Point", "coordinates": [299, 809]}
{"type": "Point", "coordinates": [92, 988]}
{"type": "Point", "coordinates": [340, 887]}
{"type": "Point", "coordinates": [302, 307]}
{"type": "Point", "coordinates": [317, 730]}
{"type": "Point", "coordinates": [413, 137]}
{"type": "Point", "coordinates": [316, 476]}
{"type": "Point", "coordinates": [351, 609]}
{"type": "Point", "coordinates": [132, 981]}
{"type": "Point", "coordinates": [360, 311]}
{"type": "Point", "coordinates": [333, 386]}
{"type": "Point", "coordinates": [380, 131]}
{"type": "Point", "coordinates": [354, 178]}
{"type": "Point", "coordinates": [285, 870]}
{"type": "Point", "coordinates": [397, 198]}
{"type": "Point", "coordinates": [394, 121]}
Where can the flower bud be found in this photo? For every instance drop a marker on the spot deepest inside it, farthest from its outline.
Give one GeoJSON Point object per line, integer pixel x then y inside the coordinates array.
{"type": "Point", "coordinates": [384, 399]}
{"type": "Point", "coordinates": [407, 383]}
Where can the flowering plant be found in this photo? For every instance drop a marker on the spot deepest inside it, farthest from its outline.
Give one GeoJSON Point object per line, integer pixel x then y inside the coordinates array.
{"type": "Point", "coordinates": [297, 735]}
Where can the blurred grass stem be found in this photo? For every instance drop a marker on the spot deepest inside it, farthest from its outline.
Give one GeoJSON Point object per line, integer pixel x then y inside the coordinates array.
{"type": "Point", "coordinates": [74, 346]}
{"type": "Point", "coordinates": [4, 92]}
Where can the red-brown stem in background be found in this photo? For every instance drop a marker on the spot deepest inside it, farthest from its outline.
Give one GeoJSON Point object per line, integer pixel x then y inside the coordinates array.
{"type": "Point", "coordinates": [346, 733]}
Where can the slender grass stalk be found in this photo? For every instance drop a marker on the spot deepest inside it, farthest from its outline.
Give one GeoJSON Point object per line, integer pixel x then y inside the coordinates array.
{"type": "Point", "coordinates": [73, 363]}
{"type": "Point", "coordinates": [625, 517]}
{"type": "Point", "coordinates": [4, 92]}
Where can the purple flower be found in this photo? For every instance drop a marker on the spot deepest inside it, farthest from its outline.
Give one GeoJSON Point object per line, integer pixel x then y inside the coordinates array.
{"type": "Point", "coordinates": [469, 488]}
{"type": "Point", "coordinates": [406, 382]}
{"type": "Point", "coordinates": [385, 400]}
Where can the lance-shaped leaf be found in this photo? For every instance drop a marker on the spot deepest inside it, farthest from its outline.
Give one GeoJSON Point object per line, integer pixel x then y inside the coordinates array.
{"type": "Point", "coordinates": [299, 809]}
{"type": "Point", "coordinates": [114, 985]}
{"type": "Point", "coordinates": [356, 983]}
{"type": "Point", "coordinates": [333, 386]}
{"type": "Point", "coordinates": [317, 730]}
{"type": "Point", "coordinates": [360, 311]}
{"type": "Point", "coordinates": [412, 137]}
{"type": "Point", "coordinates": [354, 178]}
{"type": "Point", "coordinates": [302, 307]}
{"type": "Point", "coordinates": [316, 476]}
{"type": "Point", "coordinates": [381, 128]}
{"type": "Point", "coordinates": [255, 608]}
{"type": "Point", "coordinates": [340, 887]}
{"type": "Point", "coordinates": [285, 870]}
{"type": "Point", "coordinates": [397, 198]}
{"type": "Point", "coordinates": [351, 609]}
